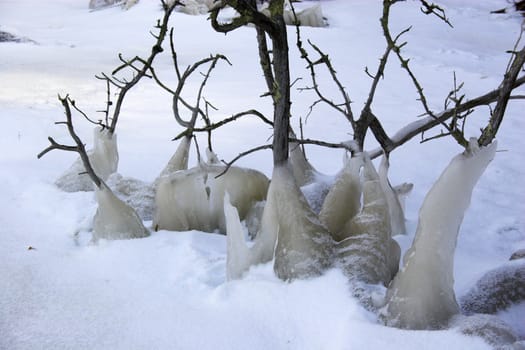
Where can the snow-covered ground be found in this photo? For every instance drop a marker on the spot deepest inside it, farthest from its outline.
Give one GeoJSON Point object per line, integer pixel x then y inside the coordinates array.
{"type": "Point", "coordinates": [169, 291]}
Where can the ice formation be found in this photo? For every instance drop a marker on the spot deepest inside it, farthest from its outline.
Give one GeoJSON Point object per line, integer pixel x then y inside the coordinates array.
{"type": "Point", "coordinates": [367, 252]}
{"type": "Point", "coordinates": [302, 170]}
{"type": "Point", "coordinates": [496, 290]}
{"type": "Point", "coordinates": [395, 209]}
{"type": "Point", "coordinates": [179, 160]}
{"type": "Point", "coordinates": [240, 257]}
{"type": "Point", "coordinates": [115, 219]}
{"type": "Point", "coordinates": [103, 159]}
{"type": "Point", "coordinates": [422, 296]}
{"type": "Point", "coordinates": [343, 201]}
{"type": "Point", "coordinates": [194, 199]}
{"type": "Point", "coordinates": [304, 246]}
{"type": "Point", "coordinates": [137, 194]}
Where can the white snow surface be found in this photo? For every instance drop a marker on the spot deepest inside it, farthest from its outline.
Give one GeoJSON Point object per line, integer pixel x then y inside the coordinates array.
{"type": "Point", "coordinates": [169, 291]}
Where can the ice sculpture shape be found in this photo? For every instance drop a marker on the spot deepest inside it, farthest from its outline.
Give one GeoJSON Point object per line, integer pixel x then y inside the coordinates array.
{"type": "Point", "coordinates": [395, 209]}
{"type": "Point", "coordinates": [302, 170]}
{"type": "Point", "coordinates": [115, 219]}
{"type": "Point", "coordinates": [239, 256]}
{"type": "Point", "coordinates": [304, 246]}
{"type": "Point", "coordinates": [368, 253]}
{"type": "Point", "coordinates": [343, 201]}
{"type": "Point", "coordinates": [422, 296]}
{"type": "Point", "coordinates": [103, 159]}
{"type": "Point", "coordinates": [194, 199]}
{"type": "Point", "coordinates": [179, 160]}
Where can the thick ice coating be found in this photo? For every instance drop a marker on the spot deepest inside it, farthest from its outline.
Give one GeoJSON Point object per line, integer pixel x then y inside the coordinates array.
{"type": "Point", "coordinates": [304, 246]}
{"type": "Point", "coordinates": [395, 209]}
{"type": "Point", "coordinates": [343, 201]}
{"type": "Point", "coordinates": [103, 158]}
{"type": "Point", "coordinates": [368, 253]}
{"type": "Point", "coordinates": [194, 199]}
{"type": "Point", "coordinates": [115, 219]}
{"type": "Point", "coordinates": [422, 295]}
{"type": "Point", "coordinates": [240, 257]}
{"type": "Point", "coordinates": [179, 160]}
{"type": "Point", "coordinates": [302, 170]}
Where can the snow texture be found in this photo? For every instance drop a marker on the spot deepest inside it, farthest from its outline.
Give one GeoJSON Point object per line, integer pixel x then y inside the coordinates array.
{"type": "Point", "coordinates": [368, 253]}
{"type": "Point", "coordinates": [169, 290]}
{"type": "Point", "coordinates": [422, 294]}
{"type": "Point", "coordinates": [194, 199]}
{"type": "Point", "coordinates": [304, 246]}
{"type": "Point", "coordinates": [115, 219]}
{"type": "Point", "coordinates": [496, 290]}
{"type": "Point", "coordinates": [103, 158]}
{"type": "Point", "coordinates": [395, 209]}
{"type": "Point", "coordinates": [137, 194]}
{"type": "Point", "coordinates": [488, 327]}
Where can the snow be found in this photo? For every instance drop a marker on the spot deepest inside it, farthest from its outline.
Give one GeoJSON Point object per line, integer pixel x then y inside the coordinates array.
{"type": "Point", "coordinates": [169, 291]}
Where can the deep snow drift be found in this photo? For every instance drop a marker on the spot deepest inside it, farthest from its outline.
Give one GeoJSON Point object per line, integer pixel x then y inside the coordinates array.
{"type": "Point", "coordinates": [169, 290]}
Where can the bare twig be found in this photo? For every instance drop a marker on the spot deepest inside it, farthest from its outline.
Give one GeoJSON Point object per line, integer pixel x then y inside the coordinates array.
{"type": "Point", "coordinates": [79, 148]}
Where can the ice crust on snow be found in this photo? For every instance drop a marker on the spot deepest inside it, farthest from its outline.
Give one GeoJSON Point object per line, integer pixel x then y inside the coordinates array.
{"type": "Point", "coordinates": [496, 290]}
{"type": "Point", "coordinates": [488, 327]}
{"type": "Point", "coordinates": [422, 296]}
{"type": "Point", "coordinates": [103, 158]}
{"type": "Point", "coordinates": [194, 199]}
{"type": "Point", "coordinates": [115, 219]}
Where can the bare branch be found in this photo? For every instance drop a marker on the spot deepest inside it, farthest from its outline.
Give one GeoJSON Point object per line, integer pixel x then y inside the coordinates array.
{"type": "Point", "coordinates": [79, 148]}
{"type": "Point", "coordinates": [241, 155]}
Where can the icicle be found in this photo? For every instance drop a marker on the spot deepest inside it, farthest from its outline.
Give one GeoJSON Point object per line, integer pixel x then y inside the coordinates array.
{"type": "Point", "coordinates": [397, 216]}
{"type": "Point", "coordinates": [343, 201]}
{"type": "Point", "coordinates": [239, 257]}
{"type": "Point", "coordinates": [194, 199]}
{"type": "Point", "coordinates": [369, 254]}
{"type": "Point", "coordinates": [422, 295]}
{"type": "Point", "coordinates": [103, 159]}
{"type": "Point", "coordinates": [115, 219]}
{"type": "Point", "coordinates": [304, 247]}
